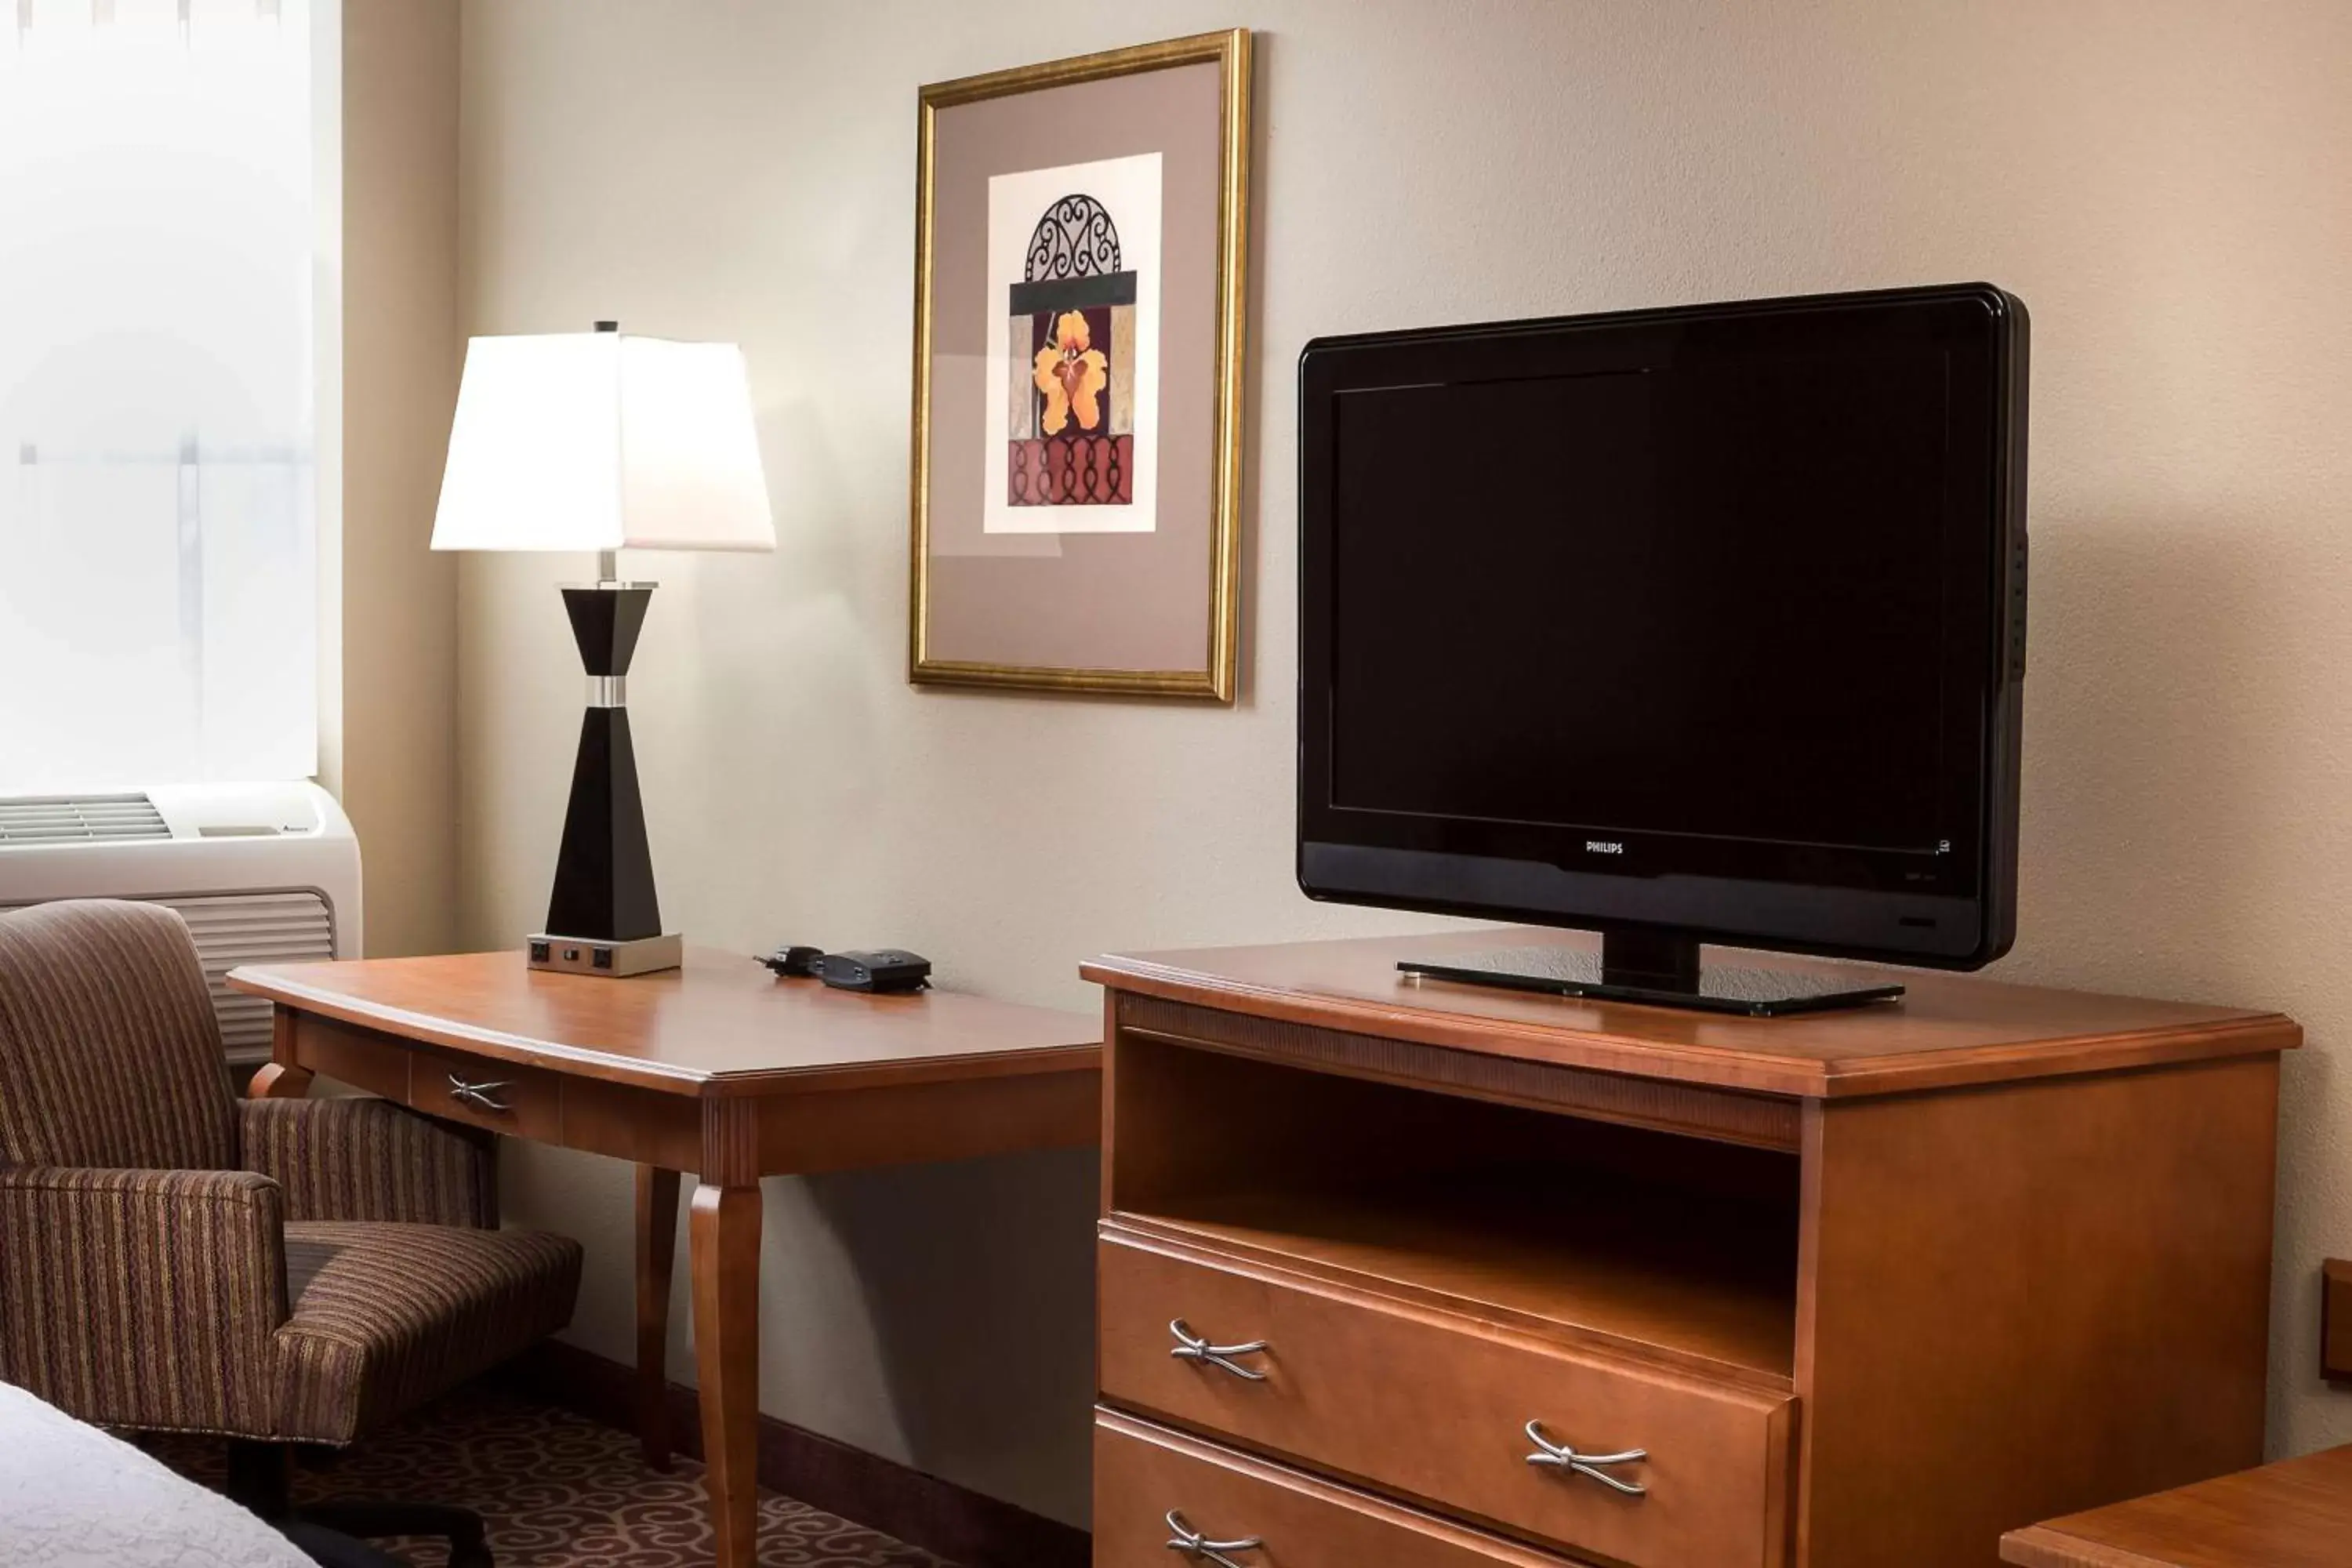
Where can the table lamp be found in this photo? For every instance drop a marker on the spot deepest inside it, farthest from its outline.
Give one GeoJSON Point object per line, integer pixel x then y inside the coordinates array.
{"type": "Point", "coordinates": [597, 441]}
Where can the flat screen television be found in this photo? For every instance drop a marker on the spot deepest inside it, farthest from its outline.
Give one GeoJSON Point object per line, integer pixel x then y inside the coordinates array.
{"type": "Point", "coordinates": [1691, 625]}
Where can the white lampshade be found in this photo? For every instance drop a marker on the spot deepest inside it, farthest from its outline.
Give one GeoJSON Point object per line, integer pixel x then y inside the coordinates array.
{"type": "Point", "coordinates": [600, 441]}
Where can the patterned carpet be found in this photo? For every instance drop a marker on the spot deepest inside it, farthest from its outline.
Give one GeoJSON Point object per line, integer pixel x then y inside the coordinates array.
{"type": "Point", "coordinates": [558, 1491]}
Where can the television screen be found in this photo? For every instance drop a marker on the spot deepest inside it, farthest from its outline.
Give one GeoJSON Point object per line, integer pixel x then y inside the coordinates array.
{"type": "Point", "coordinates": [1717, 601]}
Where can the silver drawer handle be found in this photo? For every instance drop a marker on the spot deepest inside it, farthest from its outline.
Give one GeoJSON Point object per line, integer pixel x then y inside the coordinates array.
{"type": "Point", "coordinates": [1190, 1346]}
{"type": "Point", "coordinates": [478, 1094]}
{"type": "Point", "coordinates": [1201, 1549]}
{"type": "Point", "coordinates": [1560, 1457]}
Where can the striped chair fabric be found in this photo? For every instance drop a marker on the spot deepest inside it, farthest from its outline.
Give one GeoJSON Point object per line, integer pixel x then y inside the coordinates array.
{"type": "Point", "coordinates": [374, 1335]}
{"type": "Point", "coordinates": [172, 1258]}
{"type": "Point", "coordinates": [146, 1299]}
{"type": "Point", "coordinates": [110, 1055]}
{"type": "Point", "coordinates": [369, 1160]}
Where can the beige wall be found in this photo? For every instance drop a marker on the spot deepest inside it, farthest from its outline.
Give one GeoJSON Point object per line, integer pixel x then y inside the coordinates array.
{"type": "Point", "coordinates": [390, 755]}
{"type": "Point", "coordinates": [2165, 183]}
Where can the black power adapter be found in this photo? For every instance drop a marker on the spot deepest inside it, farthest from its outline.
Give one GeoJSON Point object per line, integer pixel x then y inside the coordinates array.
{"type": "Point", "coordinates": [880, 969]}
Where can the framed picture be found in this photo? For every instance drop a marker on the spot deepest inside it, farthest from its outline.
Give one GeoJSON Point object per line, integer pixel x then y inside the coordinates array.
{"type": "Point", "coordinates": [1079, 258]}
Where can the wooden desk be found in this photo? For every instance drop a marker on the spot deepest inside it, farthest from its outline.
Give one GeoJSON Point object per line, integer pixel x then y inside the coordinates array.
{"type": "Point", "coordinates": [2294, 1514]}
{"type": "Point", "coordinates": [717, 1067]}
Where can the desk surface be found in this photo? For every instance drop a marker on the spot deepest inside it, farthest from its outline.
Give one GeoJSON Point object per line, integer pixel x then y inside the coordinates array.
{"type": "Point", "coordinates": [1947, 1031]}
{"type": "Point", "coordinates": [720, 1025]}
{"type": "Point", "coordinates": [2294, 1514]}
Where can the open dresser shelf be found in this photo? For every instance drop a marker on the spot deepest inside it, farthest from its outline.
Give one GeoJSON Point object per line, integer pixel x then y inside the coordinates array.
{"type": "Point", "coordinates": [1638, 1282]}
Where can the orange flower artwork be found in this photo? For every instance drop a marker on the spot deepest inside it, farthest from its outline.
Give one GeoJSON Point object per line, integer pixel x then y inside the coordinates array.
{"type": "Point", "coordinates": [1071, 372]}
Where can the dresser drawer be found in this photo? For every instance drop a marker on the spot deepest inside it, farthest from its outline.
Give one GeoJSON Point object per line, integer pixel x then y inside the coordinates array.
{"type": "Point", "coordinates": [523, 1101]}
{"type": "Point", "coordinates": [1144, 1474]}
{"type": "Point", "coordinates": [1435, 1407]}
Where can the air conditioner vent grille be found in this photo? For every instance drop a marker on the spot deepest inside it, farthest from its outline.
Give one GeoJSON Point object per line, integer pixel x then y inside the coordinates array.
{"type": "Point", "coordinates": [80, 819]}
{"type": "Point", "coordinates": [231, 928]}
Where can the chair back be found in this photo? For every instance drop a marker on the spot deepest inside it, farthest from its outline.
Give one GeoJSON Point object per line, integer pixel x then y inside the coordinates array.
{"type": "Point", "coordinates": [110, 1053]}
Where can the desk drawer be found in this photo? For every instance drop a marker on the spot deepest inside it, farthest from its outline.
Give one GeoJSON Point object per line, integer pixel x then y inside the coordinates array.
{"type": "Point", "coordinates": [1144, 1473]}
{"type": "Point", "coordinates": [522, 1101]}
{"type": "Point", "coordinates": [375, 1063]}
{"type": "Point", "coordinates": [1435, 1407]}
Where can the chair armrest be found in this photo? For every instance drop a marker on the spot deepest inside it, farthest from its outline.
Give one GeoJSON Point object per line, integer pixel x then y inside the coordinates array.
{"type": "Point", "coordinates": [369, 1160]}
{"type": "Point", "coordinates": [144, 1299]}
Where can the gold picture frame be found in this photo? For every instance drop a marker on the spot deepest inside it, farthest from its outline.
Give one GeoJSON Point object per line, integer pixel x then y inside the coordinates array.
{"type": "Point", "coordinates": [1213, 678]}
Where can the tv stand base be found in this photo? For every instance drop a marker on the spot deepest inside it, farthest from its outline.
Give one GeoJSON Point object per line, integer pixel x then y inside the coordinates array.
{"type": "Point", "coordinates": [1656, 971]}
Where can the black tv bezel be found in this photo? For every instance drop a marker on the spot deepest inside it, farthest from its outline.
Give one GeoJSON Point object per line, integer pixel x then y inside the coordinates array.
{"type": "Point", "coordinates": [1777, 896]}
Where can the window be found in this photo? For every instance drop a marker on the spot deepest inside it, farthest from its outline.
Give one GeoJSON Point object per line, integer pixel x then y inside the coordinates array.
{"type": "Point", "coordinates": [157, 537]}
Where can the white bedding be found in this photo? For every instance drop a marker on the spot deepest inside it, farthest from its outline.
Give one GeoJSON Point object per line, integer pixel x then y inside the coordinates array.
{"type": "Point", "coordinates": [72, 1497]}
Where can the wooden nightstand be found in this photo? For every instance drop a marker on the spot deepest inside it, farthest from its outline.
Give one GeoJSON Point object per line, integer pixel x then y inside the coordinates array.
{"type": "Point", "coordinates": [2294, 1514]}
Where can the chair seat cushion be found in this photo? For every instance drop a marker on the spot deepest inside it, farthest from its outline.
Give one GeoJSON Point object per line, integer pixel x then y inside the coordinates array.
{"type": "Point", "coordinates": [385, 1317]}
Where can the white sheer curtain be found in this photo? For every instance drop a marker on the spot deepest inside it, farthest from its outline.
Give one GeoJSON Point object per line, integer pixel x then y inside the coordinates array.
{"type": "Point", "coordinates": [158, 543]}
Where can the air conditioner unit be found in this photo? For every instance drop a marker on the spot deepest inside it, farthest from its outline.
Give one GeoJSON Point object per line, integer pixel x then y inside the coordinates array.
{"type": "Point", "coordinates": [262, 873]}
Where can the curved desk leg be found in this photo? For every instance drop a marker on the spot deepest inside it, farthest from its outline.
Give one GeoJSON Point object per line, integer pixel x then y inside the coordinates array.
{"type": "Point", "coordinates": [275, 1080]}
{"type": "Point", "coordinates": [280, 1078]}
{"type": "Point", "coordinates": [656, 1250]}
{"type": "Point", "coordinates": [726, 1244]}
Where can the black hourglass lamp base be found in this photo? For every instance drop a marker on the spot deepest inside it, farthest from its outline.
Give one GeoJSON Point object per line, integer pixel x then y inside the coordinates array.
{"type": "Point", "coordinates": [603, 917]}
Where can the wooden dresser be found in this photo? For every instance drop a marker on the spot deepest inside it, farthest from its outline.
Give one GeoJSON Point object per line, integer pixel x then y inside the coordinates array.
{"type": "Point", "coordinates": [1429, 1276]}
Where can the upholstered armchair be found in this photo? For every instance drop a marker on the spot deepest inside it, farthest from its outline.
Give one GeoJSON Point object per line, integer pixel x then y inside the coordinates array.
{"type": "Point", "coordinates": [175, 1258]}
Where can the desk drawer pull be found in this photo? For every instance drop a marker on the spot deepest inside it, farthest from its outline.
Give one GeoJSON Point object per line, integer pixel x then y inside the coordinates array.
{"type": "Point", "coordinates": [481, 1095]}
{"type": "Point", "coordinates": [1560, 1457]}
{"type": "Point", "coordinates": [1191, 1544]}
{"type": "Point", "coordinates": [1190, 1346]}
